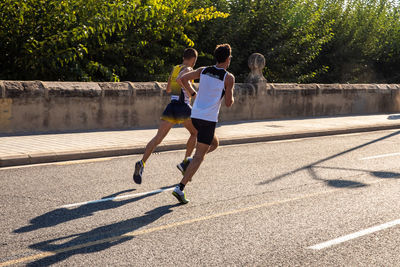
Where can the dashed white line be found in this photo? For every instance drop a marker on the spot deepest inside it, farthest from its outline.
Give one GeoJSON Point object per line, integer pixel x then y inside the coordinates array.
{"type": "Point", "coordinates": [381, 156]}
{"type": "Point", "coordinates": [118, 197]}
{"type": "Point", "coordinates": [355, 235]}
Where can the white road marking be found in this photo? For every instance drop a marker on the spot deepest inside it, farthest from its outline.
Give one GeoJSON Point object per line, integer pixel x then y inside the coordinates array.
{"type": "Point", "coordinates": [118, 197]}
{"type": "Point", "coordinates": [382, 156]}
{"type": "Point", "coordinates": [355, 235]}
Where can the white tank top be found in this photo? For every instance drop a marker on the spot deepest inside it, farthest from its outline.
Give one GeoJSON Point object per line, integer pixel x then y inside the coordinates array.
{"type": "Point", "coordinates": [211, 90]}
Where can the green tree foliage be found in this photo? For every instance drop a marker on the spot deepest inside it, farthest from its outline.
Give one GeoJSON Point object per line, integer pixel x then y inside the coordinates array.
{"type": "Point", "coordinates": [109, 40]}
{"type": "Point", "coordinates": [366, 43]}
{"type": "Point", "coordinates": [309, 40]}
{"type": "Point", "coordinates": [94, 39]}
{"type": "Point", "coordinates": [289, 33]}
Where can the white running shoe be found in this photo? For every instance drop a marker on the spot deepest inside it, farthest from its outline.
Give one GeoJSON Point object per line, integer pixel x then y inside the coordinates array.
{"type": "Point", "coordinates": [180, 195]}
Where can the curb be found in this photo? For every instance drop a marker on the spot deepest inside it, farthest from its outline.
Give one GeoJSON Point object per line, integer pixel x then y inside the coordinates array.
{"type": "Point", "coordinates": [25, 159]}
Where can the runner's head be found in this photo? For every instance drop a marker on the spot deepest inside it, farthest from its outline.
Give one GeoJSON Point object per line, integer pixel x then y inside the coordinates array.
{"type": "Point", "coordinates": [222, 54]}
{"type": "Point", "coordinates": [190, 57]}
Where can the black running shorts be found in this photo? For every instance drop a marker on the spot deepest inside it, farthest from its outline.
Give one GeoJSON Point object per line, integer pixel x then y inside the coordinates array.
{"type": "Point", "coordinates": [205, 130]}
{"type": "Point", "coordinates": [177, 112]}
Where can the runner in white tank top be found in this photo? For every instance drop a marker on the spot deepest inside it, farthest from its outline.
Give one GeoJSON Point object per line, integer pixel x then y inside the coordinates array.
{"type": "Point", "coordinates": [215, 83]}
{"type": "Point", "coordinates": [211, 90]}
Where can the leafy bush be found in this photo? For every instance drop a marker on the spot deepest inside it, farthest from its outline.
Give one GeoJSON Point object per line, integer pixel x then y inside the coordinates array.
{"type": "Point", "coordinates": [94, 39]}
{"type": "Point", "coordinates": [366, 43]}
{"type": "Point", "coordinates": [139, 40]}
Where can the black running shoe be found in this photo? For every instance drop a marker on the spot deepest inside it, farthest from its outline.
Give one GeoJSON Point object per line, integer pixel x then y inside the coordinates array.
{"type": "Point", "coordinates": [137, 175]}
{"type": "Point", "coordinates": [183, 165]}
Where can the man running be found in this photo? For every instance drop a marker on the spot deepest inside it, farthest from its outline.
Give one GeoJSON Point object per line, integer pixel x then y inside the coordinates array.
{"type": "Point", "coordinates": [178, 111]}
{"type": "Point", "coordinates": [215, 83]}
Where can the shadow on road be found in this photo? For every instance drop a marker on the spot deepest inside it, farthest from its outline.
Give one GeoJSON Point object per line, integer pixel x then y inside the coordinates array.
{"type": "Point", "coordinates": [394, 117]}
{"type": "Point", "coordinates": [63, 215]}
{"type": "Point", "coordinates": [95, 240]}
{"type": "Point", "coordinates": [336, 182]}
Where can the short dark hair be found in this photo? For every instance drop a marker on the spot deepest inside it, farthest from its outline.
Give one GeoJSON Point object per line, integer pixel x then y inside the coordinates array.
{"type": "Point", "coordinates": [189, 53]}
{"type": "Point", "coordinates": [222, 52]}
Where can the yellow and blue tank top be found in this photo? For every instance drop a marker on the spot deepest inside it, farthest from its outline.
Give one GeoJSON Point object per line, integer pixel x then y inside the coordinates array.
{"type": "Point", "coordinates": [177, 92]}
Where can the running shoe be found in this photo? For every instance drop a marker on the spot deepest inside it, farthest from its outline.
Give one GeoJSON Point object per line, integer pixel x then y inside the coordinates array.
{"type": "Point", "coordinates": [137, 175]}
{"type": "Point", "coordinates": [183, 165]}
{"type": "Point", "coordinates": [180, 195]}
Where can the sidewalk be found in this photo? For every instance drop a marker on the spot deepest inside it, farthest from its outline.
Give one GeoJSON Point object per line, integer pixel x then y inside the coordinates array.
{"type": "Point", "coordinates": [30, 149]}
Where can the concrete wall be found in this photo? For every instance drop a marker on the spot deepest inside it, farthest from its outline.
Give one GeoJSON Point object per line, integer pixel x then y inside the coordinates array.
{"type": "Point", "coordinates": [34, 106]}
{"type": "Point", "coordinates": [307, 100]}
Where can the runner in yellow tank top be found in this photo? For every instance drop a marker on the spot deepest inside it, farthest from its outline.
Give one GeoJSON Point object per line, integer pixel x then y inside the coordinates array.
{"type": "Point", "coordinates": [174, 87]}
{"type": "Point", "coordinates": [178, 111]}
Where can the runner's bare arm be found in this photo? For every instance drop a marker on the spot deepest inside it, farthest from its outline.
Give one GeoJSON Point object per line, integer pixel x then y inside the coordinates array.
{"type": "Point", "coordinates": [183, 71]}
{"type": "Point", "coordinates": [184, 79]}
{"type": "Point", "coordinates": [229, 86]}
{"type": "Point", "coordinates": [169, 83]}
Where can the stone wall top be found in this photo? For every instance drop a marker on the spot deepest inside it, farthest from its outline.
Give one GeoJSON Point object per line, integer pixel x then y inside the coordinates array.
{"type": "Point", "coordinates": [15, 89]}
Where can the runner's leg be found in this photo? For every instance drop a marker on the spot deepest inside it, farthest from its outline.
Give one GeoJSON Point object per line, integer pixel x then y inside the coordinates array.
{"type": "Point", "coordinates": [191, 143]}
{"type": "Point", "coordinates": [163, 130]}
{"type": "Point", "coordinates": [214, 144]}
{"type": "Point", "coordinates": [201, 150]}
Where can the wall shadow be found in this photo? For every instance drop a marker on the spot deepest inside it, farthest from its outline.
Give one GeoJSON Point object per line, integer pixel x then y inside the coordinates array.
{"type": "Point", "coordinates": [394, 117]}
{"type": "Point", "coordinates": [310, 168]}
{"type": "Point", "coordinates": [340, 183]}
{"type": "Point", "coordinates": [95, 240]}
{"type": "Point", "coordinates": [62, 215]}
{"type": "Point", "coordinates": [385, 175]}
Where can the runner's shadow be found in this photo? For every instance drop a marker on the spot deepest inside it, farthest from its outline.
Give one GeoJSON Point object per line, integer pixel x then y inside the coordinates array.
{"type": "Point", "coordinates": [96, 240]}
{"type": "Point", "coordinates": [63, 215]}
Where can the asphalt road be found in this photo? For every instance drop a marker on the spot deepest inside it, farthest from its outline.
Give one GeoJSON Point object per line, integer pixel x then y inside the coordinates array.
{"type": "Point", "coordinates": [262, 204]}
